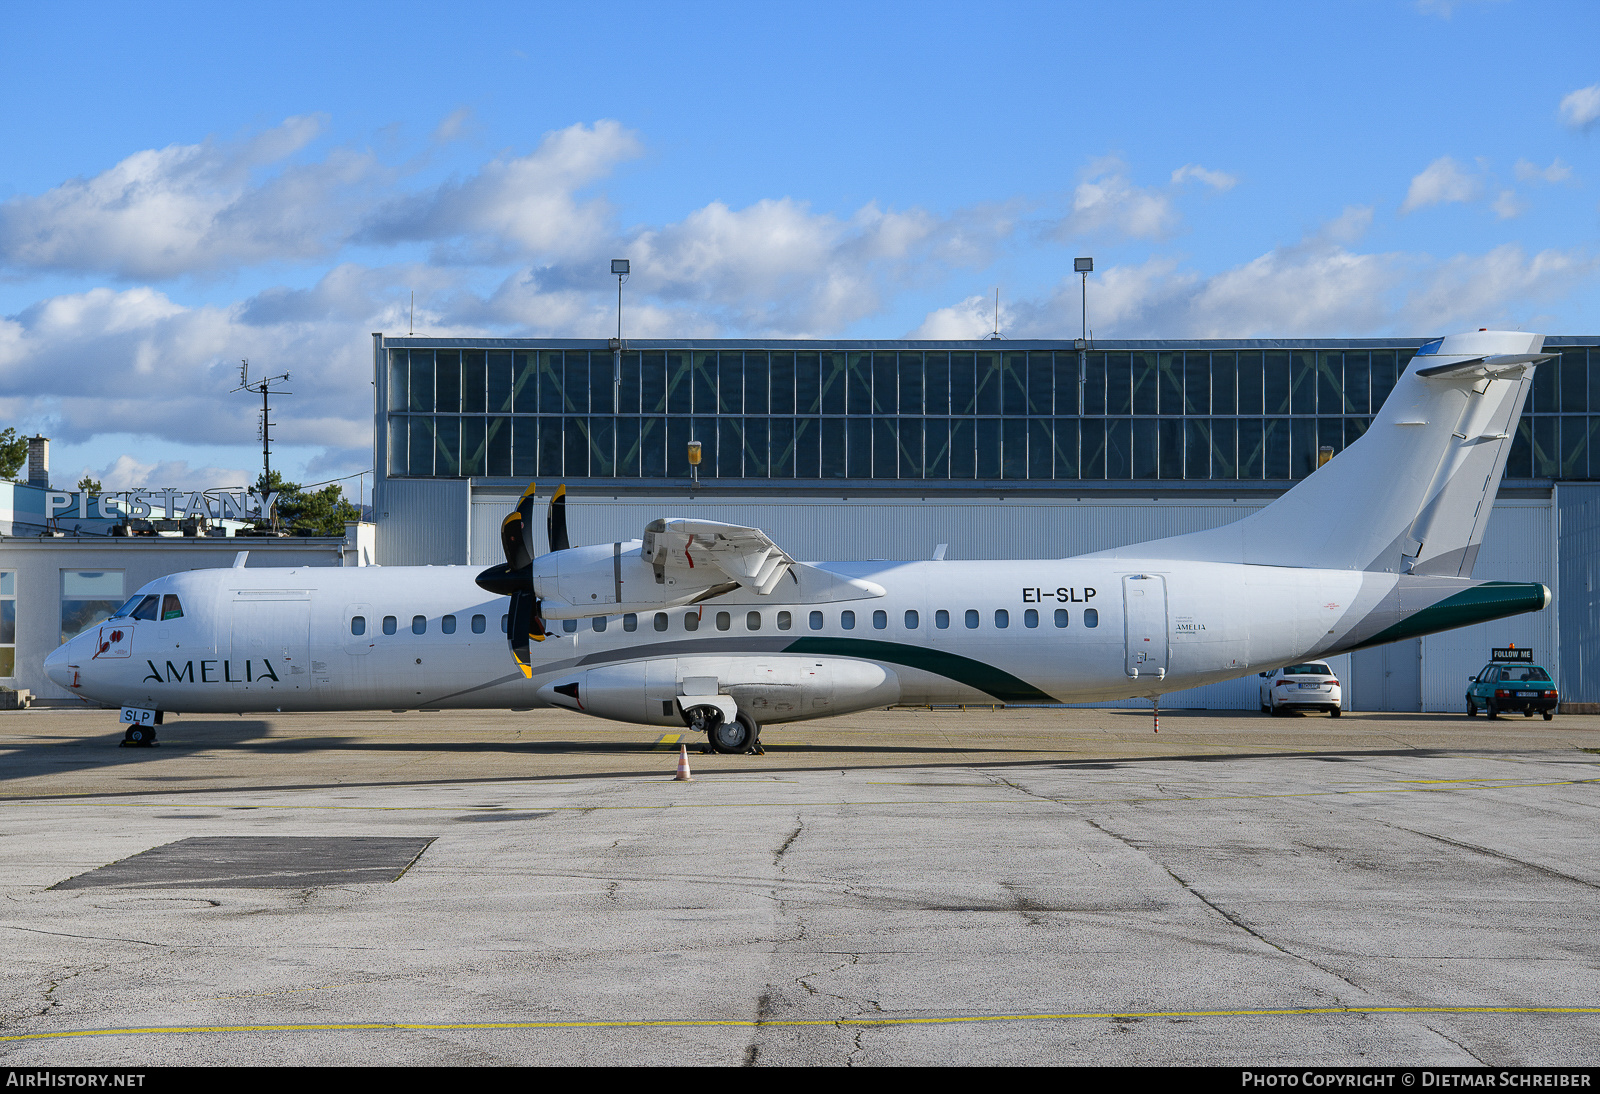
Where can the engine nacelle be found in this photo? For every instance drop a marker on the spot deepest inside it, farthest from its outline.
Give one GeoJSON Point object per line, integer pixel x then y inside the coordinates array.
{"type": "Point", "coordinates": [771, 688]}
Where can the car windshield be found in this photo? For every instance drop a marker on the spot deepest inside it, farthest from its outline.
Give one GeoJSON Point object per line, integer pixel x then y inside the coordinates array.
{"type": "Point", "coordinates": [1311, 669]}
{"type": "Point", "coordinates": [1525, 674]}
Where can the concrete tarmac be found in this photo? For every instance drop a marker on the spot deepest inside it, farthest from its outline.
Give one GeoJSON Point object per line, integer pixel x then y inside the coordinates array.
{"type": "Point", "coordinates": [1023, 886]}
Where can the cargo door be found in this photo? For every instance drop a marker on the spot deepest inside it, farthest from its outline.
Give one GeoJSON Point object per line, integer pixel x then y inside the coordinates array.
{"type": "Point", "coordinates": [271, 651]}
{"type": "Point", "coordinates": [1144, 613]}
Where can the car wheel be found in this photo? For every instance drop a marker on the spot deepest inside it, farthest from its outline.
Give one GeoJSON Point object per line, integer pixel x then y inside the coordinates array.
{"type": "Point", "coordinates": [1491, 710]}
{"type": "Point", "coordinates": [1472, 708]}
{"type": "Point", "coordinates": [1549, 714]}
{"type": "Point", "coordinates": [1335, 710]}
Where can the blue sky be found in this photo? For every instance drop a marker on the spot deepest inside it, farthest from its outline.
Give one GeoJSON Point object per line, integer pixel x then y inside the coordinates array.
{"type": "Point", "coordinates": [183, 186]}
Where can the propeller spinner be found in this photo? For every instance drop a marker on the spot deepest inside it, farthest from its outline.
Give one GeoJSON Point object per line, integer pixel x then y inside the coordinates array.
{"type": "Point", "coordinates": [514, 576]}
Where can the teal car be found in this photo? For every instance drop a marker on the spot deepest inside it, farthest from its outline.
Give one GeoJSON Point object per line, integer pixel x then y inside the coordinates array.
{"type": "Point", "coordinates": [1505, 687]}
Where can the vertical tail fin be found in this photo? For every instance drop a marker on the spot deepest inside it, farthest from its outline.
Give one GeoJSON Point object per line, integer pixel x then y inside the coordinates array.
{"type": "Point", "coordinates": [1413, 494]}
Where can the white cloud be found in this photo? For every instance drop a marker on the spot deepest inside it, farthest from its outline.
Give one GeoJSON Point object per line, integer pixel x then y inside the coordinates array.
{"type": "Point", "coordinates": [198, 207]}
{"type": "Point", "coordinates": [1317, 287]}
{"type": "Point", "coordinates": [1217, 180]}
{"type": "Point", "coordinates": [974, 317]}
{"type": "Point", "coordinates": [1106, 202]}
{"type": "Point", "coordinates": [1581, 108]}
{"type": "Point", "coordinates": [130, 473]}
{"type": "Point", "coordinates": [1349, 225]}
{"type": "Point", "coordinates": [1440, 182]}
{"type": "Point", "coordinates": [1532, 172]}
{"type": "Point", "coordinates": [516, 206]}
{"type": "Point", "coordinates": [1506, 205]}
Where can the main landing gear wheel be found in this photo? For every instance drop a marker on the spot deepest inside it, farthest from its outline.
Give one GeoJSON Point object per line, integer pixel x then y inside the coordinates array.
{"type": "Point", "coordinates": [740, 735]}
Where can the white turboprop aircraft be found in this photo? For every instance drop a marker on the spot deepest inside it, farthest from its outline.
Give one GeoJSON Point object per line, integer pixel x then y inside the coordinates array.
{"type": "Point", "coordinates": [715, 627]}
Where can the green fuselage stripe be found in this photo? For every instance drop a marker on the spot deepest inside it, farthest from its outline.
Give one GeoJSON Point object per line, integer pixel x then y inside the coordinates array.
{"type": "Point", "coordinates": [1491, 600]}
{"type": "Point", "coordinates": [964, 670]}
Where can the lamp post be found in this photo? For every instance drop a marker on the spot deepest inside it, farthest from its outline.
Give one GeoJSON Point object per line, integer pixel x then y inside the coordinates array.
{"type": "Point", "coordinates": [1083, 266]}
{"type": "Point", "coordinates": [619, 269]}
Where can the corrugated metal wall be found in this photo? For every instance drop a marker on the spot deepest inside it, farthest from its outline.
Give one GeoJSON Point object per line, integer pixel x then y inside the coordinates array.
{"type": "Point", "coordinates": [422, 522]}
{"type": "Point", "coordinates": [1519, 546]}
{"type": "Point", "coordinates": [1578, 605]}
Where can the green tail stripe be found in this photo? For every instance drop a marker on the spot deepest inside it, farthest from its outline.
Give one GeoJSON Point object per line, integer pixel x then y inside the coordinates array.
{"type": "Point", "coordinates": [1479, 604]}
{"type": "Point", "coordinates": [964, 670]}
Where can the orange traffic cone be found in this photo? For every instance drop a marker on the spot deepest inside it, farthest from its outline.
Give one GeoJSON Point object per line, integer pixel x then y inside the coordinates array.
{"type": "Point", "coordinates": [683, 775]}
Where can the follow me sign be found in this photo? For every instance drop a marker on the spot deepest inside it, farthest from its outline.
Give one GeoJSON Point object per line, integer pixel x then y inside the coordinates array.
{"type": "Point", "coordinates": [227, 504]}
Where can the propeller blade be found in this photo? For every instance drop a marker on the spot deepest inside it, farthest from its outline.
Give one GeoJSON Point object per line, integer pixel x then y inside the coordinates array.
{"type": "Point", "coordinates": [557, 521]}
{"type": "Point", "coordinates": [516, 532]}
{"type": "Point", "coordinates": [524, 625]}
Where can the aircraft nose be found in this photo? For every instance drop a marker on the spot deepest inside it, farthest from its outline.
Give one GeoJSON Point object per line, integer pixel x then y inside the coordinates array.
{"type": "Point", "coordinates": [57, 667]}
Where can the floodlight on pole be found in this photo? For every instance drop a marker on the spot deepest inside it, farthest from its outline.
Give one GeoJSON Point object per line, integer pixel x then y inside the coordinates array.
{"type": "Point", "coordinates": [1083, 267]}
{"type": "Point", "coordinates": [619, 269]}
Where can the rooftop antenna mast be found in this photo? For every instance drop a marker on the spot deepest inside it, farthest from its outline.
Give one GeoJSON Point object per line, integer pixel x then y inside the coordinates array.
{"type": "Point", "coordinates": [264, 386]}
{"type": "Point", "coordinates": [996, 333]}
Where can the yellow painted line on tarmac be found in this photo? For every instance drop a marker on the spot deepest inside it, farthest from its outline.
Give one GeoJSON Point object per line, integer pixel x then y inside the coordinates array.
{"type": "Point", "coordinates": [1023, 798]}
{"type": "Point", "coordinates": [667, 743]}
{"type": "Point", "coordinates": [792, 1023]}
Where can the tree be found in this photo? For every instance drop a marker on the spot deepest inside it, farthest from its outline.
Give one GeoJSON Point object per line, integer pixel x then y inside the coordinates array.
{"type": "Point", "coordinates": [13, 453]}
{"type": "Point", "coordinates": [89, 485]}
{"type": "Point", "coordinates": [316, 513]}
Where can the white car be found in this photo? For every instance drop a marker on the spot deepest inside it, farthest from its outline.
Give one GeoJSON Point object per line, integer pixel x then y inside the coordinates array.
{"type": "Point", "coordinates": [1307, 686]}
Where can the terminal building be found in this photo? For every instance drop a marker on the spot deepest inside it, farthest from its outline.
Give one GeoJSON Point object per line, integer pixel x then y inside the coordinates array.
{"type": "Point", "coordinates": [997, 449]}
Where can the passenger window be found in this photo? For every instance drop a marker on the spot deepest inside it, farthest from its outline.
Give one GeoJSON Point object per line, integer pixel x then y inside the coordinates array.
{"type": "Point", "coordinates": [419, 624]}
{"type": "Point", "coordinates": [724, 621]}
{"type": "Point", "coordinates": [911, 621]}
{"type": "Point", "coordinates": [880, 620]}
{"type": "Point", "coordinates": [691, 621]}
{"type": "Point", "coordinates": [358, 624]}
{"type": "Point", "coordinates": [1002, 618]}
{"type": "Point", "coordinates": [598, 623]}
{"type": "Point", "coordinates": [1091, 617]}
{"type": "Point", "coordinates": [785, 620]}
{"type": "Point", "coordinates": [479, 624]}
{"type": "Point", "coordinates": [389, 626]}
{"type": "Point", "coordinates": [1061, 617]}
{"type": "Point", "coordinates": [847, 620]}
{"type": "Point", "coordinates": [941, 619]}
{"type": "Point", "coordinates": [630, 622]}
{"type": "Point", "coordinates": [752, 621]}
{"type": "Point", "coordinates": [505, 624]}
{"type": "Point", "coordinates": [170, 608]}
{"type": "Point", "coordinates": [816, 621]}
{"type": "Point", "coordinates": [448, 624]}
{"type": "Point", "coordinates": [661, 621]}
{"type": "Point", "coordinates": [147, 608]}
{"type": "Point", "coordinates": [1030, 618]}
{"type": "Point", "coordinates": [570, 626]}
{"type": "Point", "coordinates": [972, 619]}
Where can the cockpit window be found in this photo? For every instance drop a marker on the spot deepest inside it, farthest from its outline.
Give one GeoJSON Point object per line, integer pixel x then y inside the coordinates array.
{"type": "Point", "coordinates": [170, 608]}
{"type": "Point", "coordinates": [147, 608]}
{"type": "Point", "coordinates": [127, 609]}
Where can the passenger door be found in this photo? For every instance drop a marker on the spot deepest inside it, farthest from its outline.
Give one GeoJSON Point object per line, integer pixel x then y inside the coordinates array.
{"type": "Point", "coordinates": [1144, 613]}
{"type": "Point", "coordinates": [271, 644]}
